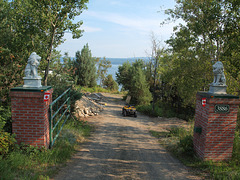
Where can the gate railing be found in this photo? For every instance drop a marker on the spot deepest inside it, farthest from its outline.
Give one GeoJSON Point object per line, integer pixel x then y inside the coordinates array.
{"type": "Point", "coordinates": [58, 115]}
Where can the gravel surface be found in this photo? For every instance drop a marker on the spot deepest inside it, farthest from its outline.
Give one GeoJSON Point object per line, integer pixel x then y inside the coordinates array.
{"type": "Point", "coordinates": [122, 148]}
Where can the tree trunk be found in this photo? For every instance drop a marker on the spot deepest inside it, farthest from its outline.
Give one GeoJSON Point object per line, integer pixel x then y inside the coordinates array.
{"type": "Point", "coordinates": [154, 84]}
{"type": "Point", "coordinates": [49, 58]}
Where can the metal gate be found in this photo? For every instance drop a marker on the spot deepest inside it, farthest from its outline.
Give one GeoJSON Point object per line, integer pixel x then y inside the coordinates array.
{"type": "Point", "coordinates": [59, 112]}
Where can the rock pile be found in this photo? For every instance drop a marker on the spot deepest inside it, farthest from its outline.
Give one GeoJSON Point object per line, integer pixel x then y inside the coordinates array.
{"type": "Point", "coordinates": [89, 105]}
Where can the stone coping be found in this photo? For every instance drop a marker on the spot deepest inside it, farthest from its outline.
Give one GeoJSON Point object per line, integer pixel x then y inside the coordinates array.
{"type": "Point", "coordinates": [212, 95]}
{"type": "Point", "coordinates": [31, 89]}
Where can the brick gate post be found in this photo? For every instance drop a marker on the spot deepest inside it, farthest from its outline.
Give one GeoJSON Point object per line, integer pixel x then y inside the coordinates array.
{"type": "Point", "coordinates": [30, 120]}
{"type": "Point", "coordinates": [215, 125]}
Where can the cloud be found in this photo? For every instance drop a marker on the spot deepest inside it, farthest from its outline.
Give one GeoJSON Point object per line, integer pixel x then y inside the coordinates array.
{"type": "Point", "coordinates": [138, 23]}
{"type": "Point", "coordinates": [90, 29]}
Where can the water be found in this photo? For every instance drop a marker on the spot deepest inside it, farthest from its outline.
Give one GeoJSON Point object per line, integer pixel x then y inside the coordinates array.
{"type": "Point", "coordinates": [116, 62]}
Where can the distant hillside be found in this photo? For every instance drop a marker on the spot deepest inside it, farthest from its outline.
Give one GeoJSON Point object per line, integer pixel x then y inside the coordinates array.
{"type": "Point", "coordinates": [122, 60]}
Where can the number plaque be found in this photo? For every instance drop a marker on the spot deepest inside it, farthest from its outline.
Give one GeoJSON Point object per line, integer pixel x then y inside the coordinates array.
{"type": "Point", "coordinates": [221, 108]}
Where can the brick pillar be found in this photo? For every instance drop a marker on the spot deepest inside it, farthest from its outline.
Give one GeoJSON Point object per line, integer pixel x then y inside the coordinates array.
{"type": "Point", "coordinates": [215, 126]}
{"type": "Point", "coordinates": [30, 115]}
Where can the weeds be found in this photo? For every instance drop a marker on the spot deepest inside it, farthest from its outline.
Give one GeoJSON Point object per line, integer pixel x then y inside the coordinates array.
{"type": "Point", "coordinates": [158, 111]}
{"type": "Point", "coordinates": [28, 162]}
{"type": "Point", "coordinates": [179, 142]}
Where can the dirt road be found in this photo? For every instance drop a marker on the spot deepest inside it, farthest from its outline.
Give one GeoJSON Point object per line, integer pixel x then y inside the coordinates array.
{"type": "Point", "coordinates": [122, 148]}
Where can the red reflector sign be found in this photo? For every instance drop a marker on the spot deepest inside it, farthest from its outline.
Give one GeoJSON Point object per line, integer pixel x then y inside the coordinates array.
{"type": "Point", "coordinates": [46, 96]}
{"type": "Point", "coordinates": [204, 101]}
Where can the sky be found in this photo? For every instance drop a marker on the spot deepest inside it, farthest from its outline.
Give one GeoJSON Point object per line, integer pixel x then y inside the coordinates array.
{"type": "Point", "coordinates": [120, 28]}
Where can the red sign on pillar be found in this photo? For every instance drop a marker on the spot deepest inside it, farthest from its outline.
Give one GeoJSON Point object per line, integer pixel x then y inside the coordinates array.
{"type": "Point", "coordinates": [46, 96]}
{"type": "Point", "coordinates": [204, 101]}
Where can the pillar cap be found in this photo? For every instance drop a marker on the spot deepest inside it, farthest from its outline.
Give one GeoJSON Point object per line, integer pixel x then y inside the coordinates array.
{"type": "Point", "coordinates": [212, 95]}
{"type": "Point", "coordinates": [31, 89]}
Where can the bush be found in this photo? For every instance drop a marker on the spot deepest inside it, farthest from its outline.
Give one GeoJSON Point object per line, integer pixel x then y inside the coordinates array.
{"type": "Point", "coordinates": [158, 111]}
{"type": "Point", "coordinates": [7, 143]}
{"type": "Point", "coordinates": [236, 148]}
{"type": "Point", "coordinates": [146, 109]}
{"type": "Point", "coordinates": [5, 119]}
{"type": "Point", "coordinates": [186, 145]}
{"type": "Point", "coordinates": [110, 83]}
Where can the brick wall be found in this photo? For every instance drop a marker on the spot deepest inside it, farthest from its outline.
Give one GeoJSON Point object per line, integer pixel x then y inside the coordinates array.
{"type": "Point", "coordinates": [215, 142]}
{"type": "Point", "coordinates": [30, 116]}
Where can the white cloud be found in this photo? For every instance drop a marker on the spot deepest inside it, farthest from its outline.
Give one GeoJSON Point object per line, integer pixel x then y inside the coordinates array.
{"type": "Point", "coordinates": [90, 29]}
{"type": "Point", "coordinates": [139, 23]}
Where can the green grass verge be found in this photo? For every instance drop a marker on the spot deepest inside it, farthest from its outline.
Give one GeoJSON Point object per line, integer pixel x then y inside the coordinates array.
{"type": "Point", "coordinates": [179, 142]}
{"type": "Point", "coordinates": [28, 162]}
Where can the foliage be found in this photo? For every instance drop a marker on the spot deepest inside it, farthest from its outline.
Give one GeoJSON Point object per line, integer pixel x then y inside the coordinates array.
{"type": "Point", "coordinates": [7, 143]}
{"type": "Point", "coordinates": [103, 65]}
{"type": "Point", "coordinates": [28, 162]}
{"type": "Point", "coordinates": [139, 90]}
{"type": "Point", "coordinates": [159, 110]}
{"type": "Point", "coordinates": [123, 75]}
{"type": "Point", "coordinates": [110, 83]}
{"type": "Point", "coordinates": [60, 86]}
{"type": "Point", "coordinates": [5, 118]}
{"type": "Point", "coordinates": [32, 26]}
{"type": "Point", "coordinates": [45, 23]}
{"type": "Point", "coordinates": [86, 70]}
{"type": "Point", "coordinates": [208, 34]}
{"type": "Point", "coordinates": [133, 79]}
{"type": "Point", "coordinates": [186, 66]}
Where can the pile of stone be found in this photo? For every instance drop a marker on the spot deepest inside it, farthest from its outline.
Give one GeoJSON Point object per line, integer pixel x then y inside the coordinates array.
{"type": "Point", "coordinates": [89, 105]}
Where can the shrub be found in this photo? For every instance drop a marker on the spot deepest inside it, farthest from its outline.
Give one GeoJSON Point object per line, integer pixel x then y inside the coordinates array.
{"type": "Point", "coordinates": [5, 119]}
{"type": "Point", "coordinates": [7, 142]}
{"type": "Point", "coordinates": [186, 145]}
{"type": "Point", "coordinates": [110, 83]}
{"type": "Point", "coordinates": [158, 111]}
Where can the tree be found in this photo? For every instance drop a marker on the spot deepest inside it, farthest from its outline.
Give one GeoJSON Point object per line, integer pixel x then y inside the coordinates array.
{"type": "Point", "coordinates": [133, 79]}
{"type": "Point", "coordinates": [195, 45]}
{"type": "Point", "coordinates": [33, 26]}
{"type": "Point", "coordinates": [110, 83]}
{"type": "Point", "coordinates": [215, 26]}
{"type": "Point", "coordinates": [103, 65]}
{"type": "Point", "coordinates": [55, 18]}
{"type": "Point", "coordinates": [86, 69]}
{"type": "Point", "coordinates": [154, 66]}
{"type": "Point", "coordinates": [42, 25]}
{"type": "Point", "coordinates": [123, 75]}
{"type": "Point", "coordinates": [139, 87]}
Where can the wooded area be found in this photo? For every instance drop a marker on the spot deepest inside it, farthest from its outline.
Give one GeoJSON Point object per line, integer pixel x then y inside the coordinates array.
{"type": "Point", "coordinates": [210, 32]}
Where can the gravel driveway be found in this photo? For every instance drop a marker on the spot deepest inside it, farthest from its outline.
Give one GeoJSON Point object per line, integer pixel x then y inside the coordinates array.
{"type": "Point", "coordinates": [122, 148]}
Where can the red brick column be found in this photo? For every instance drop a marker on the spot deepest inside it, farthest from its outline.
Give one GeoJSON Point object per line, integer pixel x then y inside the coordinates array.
{"type": "Point", "coordinates": [213, 130]}
{"type": "Point", "coordinates": [30, 115]}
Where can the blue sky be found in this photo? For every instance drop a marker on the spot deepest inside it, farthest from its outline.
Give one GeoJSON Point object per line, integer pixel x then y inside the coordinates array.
{"type": "Point", "coordinates": [120, 28]}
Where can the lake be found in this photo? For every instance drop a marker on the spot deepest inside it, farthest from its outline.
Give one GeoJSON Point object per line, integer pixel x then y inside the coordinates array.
{"type": "Point", "coordinates": [118, 62]}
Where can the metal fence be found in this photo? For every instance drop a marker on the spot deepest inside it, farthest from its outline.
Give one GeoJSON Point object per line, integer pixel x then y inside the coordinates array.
{"type": "Point", "coordinates": [59, 112]}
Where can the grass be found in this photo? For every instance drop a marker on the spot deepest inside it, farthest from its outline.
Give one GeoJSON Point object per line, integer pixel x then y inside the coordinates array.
{"type": "Point", "coordinates": [98, 89]}
{"type": "Point", "coordinates": [28, 162]}
{"type": "Point", "coordinates": [179, 142]}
